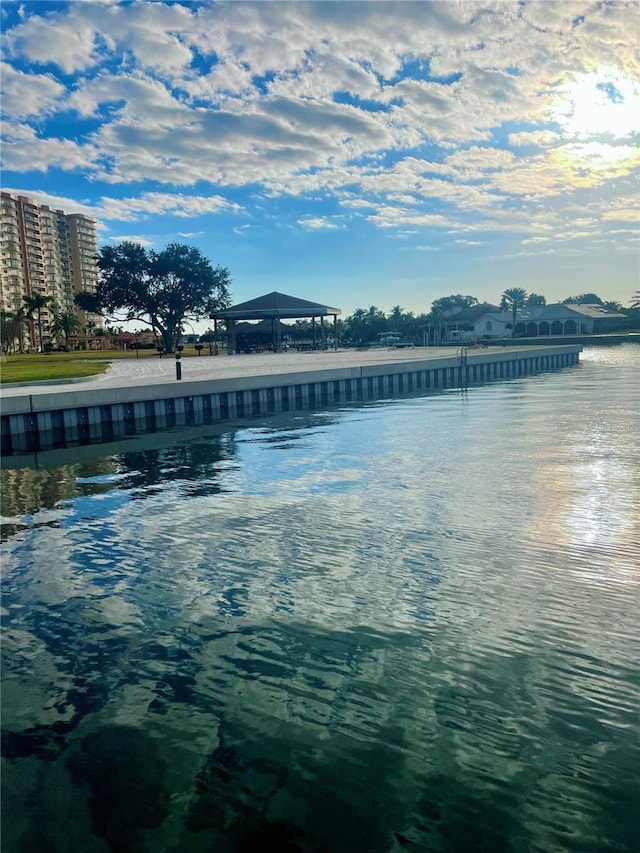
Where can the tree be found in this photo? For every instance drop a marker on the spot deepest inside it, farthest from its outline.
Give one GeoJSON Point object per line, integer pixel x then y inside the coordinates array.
{"type": "Point", "coordinates": [635, 300]}
{"type": "Point", "coordinates": [512, 299]}
{"type": "Point", "coordinates": [356, 325]}
{"type": "Point", "coordinates": [613, 305]}
{"type": "Point", "coordinates": [584, 299]}
{"type": "Point", "coordinates": [161, 289]}
{"type": "Point", "coordinates": [534, 300]}
{"type": "Point", "coordinates": [12, 328]}
{"type": "Point", "coordinates": [449, 304]}
{"type": "Point", "coordinates": [37, 302]}
{"type": "Point", "coordinates": [8, 331]}
{"type": "Point", "coordinates": [396, 314]}
{"type": "Point", "coordinates": [65, 323]}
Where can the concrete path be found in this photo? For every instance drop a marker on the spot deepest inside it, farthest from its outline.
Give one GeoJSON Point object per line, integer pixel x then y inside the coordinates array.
{"type": "Point", "coordinates": [128, 373]}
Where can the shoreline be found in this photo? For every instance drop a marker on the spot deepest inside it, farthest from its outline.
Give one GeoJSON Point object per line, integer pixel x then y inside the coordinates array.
{"type": "Point", "coordinates": [144, 397]}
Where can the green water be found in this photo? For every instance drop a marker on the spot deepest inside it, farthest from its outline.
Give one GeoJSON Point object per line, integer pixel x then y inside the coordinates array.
{"type": "Point", "coordinates": [405, 626]}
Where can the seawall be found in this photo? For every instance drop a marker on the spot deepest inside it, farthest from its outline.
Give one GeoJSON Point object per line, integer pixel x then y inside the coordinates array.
{"type": "Point", "coordinates": [76, 415]}
{"type": "Point", "coordinates": [607, 340]}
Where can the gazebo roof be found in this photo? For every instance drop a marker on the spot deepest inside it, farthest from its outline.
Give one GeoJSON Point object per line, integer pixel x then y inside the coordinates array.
{"type": "Point", "coordinates": [276, 305]}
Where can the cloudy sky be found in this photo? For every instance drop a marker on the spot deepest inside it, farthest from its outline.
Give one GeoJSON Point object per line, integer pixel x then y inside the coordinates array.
{"type": "Point", "coordinates": [350, 153]}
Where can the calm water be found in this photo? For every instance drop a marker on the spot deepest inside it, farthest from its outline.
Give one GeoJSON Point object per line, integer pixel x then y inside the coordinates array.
{"type": "Point", "coordinates": [404, 626]}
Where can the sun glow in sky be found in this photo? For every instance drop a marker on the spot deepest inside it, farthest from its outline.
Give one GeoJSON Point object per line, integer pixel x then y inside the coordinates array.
{"type": "Point", "coordinates": [352, 153]}
{"type": "Point", "coordinates": [602, 103]}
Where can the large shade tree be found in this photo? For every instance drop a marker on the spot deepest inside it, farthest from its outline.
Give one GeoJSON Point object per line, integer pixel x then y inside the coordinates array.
{"type": "Point", "coordinates": [447, 305]}
{"type": "Point", "coordinates": [512, 300]}
{"type": "Point", "coordinates": [161, 289]}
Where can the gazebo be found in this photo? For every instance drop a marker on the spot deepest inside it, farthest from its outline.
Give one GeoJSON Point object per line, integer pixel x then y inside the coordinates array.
{"type": "Point", "coordinates": [276, 307]}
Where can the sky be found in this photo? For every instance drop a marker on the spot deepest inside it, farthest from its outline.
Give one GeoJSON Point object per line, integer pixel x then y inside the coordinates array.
{"type": "Point", "coordinates": [354, 154]}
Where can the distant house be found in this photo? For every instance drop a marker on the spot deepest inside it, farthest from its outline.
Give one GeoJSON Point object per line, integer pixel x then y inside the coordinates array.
{"type": "Point", "coordinates": [568, 318]}
{"type": "Point", "coordinates": [482, 322]}
{"type": "Point", "coordinates": [486, 322]}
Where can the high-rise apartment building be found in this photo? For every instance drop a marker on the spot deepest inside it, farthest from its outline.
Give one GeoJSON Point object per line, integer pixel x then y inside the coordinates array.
{"type": "Point", "coordinates": [47, 252]}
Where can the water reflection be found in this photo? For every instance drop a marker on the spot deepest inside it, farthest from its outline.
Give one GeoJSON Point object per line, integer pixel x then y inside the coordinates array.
{"type": "Point", "coordinates": [380, 629]}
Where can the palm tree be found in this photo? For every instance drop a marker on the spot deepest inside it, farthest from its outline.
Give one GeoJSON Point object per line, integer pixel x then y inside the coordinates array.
{"type": "Point", "coordinates": [356, 324]}
{"type": "Point", "coordinates": [635, 300]}
{"type": "Point", "coordinates": [38, 303]}
{"type": "Point", "coordinates": [376, 321]}
{"type": "Point", "coordinates": [513, 298]}
{"type": "Point", "coordinates": [67, 324]}
{"type": "Point", "coordinates": [396, 314]}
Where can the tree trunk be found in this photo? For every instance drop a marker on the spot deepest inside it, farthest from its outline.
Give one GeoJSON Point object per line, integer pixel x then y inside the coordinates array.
{"type": "Point", "coordinates": [167, 340]}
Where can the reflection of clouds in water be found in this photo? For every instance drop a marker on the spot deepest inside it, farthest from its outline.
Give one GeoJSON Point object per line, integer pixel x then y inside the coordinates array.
{"type": "Point", "coordinates": [309, 558]}
{"type": "Point", "coordinates": [34, 686]}
{"type": "Point", "coordinates": [411, 608]}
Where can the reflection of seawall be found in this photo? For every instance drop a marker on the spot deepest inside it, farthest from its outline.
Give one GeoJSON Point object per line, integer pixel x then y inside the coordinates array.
{"type": "Point", "coordinates": [45, 420]}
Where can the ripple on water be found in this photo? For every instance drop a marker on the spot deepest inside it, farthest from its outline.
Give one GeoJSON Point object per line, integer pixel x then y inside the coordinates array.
{"type": "Point", "coordinates": [399, 626]}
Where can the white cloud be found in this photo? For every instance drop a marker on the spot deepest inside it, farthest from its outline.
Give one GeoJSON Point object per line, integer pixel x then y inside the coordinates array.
{"type": "Point", "coordinates": [28, 94]}
{"type": "Point", "coordinates": [24, 151]}
{"type": "Point", "coordinates": [392, 217]}
{"type": "Point", "coordinates": [319, 222]}
{"type": "Point", "coordinates": [147, 242]}
{"type": "Point", "coordinates": [149, 204]}
{"type": "Point", "coordinates": [319, 100]}
{"type": "Point", "coordinates": [539, 138]}
{"type": "Point", "coordinates": [136, 208]}
{"type": "Point", "coordinates": [622, 215]}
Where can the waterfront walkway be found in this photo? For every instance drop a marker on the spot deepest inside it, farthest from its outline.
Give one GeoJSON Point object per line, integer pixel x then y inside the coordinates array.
{"type": "Point", "coordinates": [145, 395]}
{"type": "Point", "coordinates": [133, 372]}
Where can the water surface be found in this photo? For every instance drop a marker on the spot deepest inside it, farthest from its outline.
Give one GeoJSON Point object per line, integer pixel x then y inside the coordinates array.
{"type": "Point", "coordinates": [410, 625]}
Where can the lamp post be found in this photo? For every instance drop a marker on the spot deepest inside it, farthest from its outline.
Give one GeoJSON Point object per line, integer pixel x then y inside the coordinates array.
{"type": "Point", "coordinates": [179, 349]}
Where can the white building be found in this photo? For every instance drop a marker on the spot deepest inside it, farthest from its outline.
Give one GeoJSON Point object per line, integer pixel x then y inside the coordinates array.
{"type": "Point", "coordinates": [568, 318]}
{"type": "Point", "coordinates": [559, 319]}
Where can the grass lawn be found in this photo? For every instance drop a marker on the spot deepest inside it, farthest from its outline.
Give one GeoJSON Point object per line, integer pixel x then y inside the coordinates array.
{"type": "Point", "coordinates": [38, 367]}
